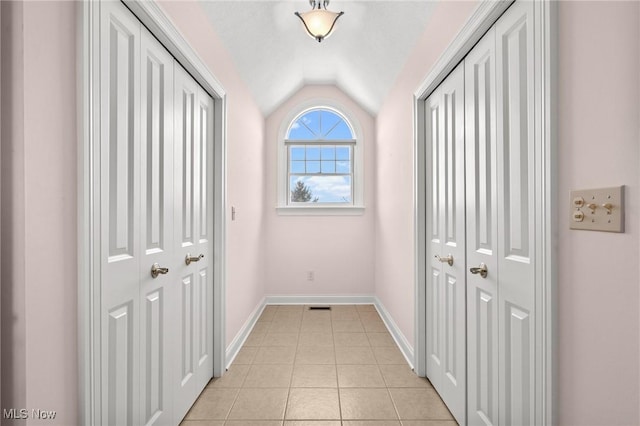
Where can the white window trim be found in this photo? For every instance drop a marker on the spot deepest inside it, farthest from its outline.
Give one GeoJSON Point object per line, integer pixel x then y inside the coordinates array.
{"type": "Point", "coordinates": [357, 208]}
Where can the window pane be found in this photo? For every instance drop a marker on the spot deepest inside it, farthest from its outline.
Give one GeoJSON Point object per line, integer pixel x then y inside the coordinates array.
{"type": "Point", "coordinates": [297, 167]}
{"type": "Point", "coordinates": [328, 153]}
{"type": "Point", "coordinates": [299, 190]}
{"type": "Point", "coordinates": [297, 153]}
{"type": "Point", "coordinates": [329, 121]}
{"type": "Point", "coordinates": [328, 167]}
{"type": "Point", "coordinates": [306, 127]}
{"type": "Point", "coordinates": [313, 153]}
{"type": "Point", "coordinates": [341, 131]}
{"type": "Point", "coordinates": [343, 153]}
{"type": "Point", "coordinates": [343, 167]}
{"type": "Point", "coordinates": [319, 124]}
{"type": "Point", "coordinates": [330, 189]}
{"type": "Point", "coordinates": [313, 167]}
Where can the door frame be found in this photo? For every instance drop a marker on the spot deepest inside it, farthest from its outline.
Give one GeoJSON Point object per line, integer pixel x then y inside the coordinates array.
{"type": "Point", "coordinates": [88, 98]}
{"type": "Point", "coordinates": [546, 208]}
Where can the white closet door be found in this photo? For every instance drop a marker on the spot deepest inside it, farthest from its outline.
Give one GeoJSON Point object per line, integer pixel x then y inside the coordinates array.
{"type": "Point", "coordinates": [482, 232]}
{"type": "Point", "coordinates": [204, 241]}
{"type": "Point", "coordinates": [156, 226]}
{"type": "Point", "coordinates": [120, 214]}
{"type": "Point", "coordinates": [446, 292]}
{"type": "Point", "coordinates": [192, 230]}
{"type": "Point", "coordinates": [516, 220]}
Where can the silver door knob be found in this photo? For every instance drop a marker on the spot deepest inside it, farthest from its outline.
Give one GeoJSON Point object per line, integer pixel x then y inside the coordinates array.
{"type": "Point", "coordinates": [157, 270]}
{"type": "Point", "coordinates": [482, 270]}
{"type": "Point", "coordinates": [448, 259]}
{"type": "Point", "coordinates": [188, 259]}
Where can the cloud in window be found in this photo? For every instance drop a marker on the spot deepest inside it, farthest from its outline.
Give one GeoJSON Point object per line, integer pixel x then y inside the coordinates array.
{"type": "Point", "coordinates": [330, 189]}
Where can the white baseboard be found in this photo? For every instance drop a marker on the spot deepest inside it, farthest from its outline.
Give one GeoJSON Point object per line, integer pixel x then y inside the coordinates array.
{"type": "Point", "coordinates": [401, 341]}
{"type": "Point", "coordinates": [398, 337]}
{"type": "Point", "coordinates": [235, 346]}
{"type": "Point", "coordinates": [319, 300]}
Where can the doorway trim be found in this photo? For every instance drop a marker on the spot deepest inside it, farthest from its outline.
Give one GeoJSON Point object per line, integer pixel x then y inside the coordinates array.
{"type": "Point", "coordinates": [88, 99]}
{"type": "Point", "coordinates": [545, 80]}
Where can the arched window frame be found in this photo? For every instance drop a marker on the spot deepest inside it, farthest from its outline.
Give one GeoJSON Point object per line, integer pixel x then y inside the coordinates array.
{"type": "Point", "coordinates": [357, 205]}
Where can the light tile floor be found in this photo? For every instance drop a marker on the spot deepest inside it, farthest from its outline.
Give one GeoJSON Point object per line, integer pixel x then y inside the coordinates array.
{"type": "Point", "coordinates": [302, 367]}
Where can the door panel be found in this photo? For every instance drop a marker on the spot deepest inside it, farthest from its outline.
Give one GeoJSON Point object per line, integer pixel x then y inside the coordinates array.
{"type": "Point", "coordinates": [434, 364]}
{"type": "Point", "coordinates": [446, 292]}
{"type": "Point", "coordinates": [185, 146]}
{"type": "Point", "coordinates": [482, 232]}
{"type": "Point", "coordinates": [515, 154]}
{"type": "Point", "coordinates": [120, 213]}
{"type": "Point", "coordinates": [193, 183]}
{"type": "Point", "coordinates": [154, 359]}
{"type": "Point", "coordinates": [156, 116]}
{"type": "Point", "coordinates": [204, 244]}
{"type": "Point", "coordinates": [186, 322]}
{"type": "Point", "coordinates": [155, 184]}
{"type": "Point", "coordinates": [433, 108]}
{"type": "Point", "coordinates": [121, 381]}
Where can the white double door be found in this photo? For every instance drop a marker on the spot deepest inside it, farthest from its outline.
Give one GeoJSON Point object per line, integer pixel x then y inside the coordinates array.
{"type": "Point", "coordinates": [481, 330]}
{"type": "Point", "coordinates": [156, 208]}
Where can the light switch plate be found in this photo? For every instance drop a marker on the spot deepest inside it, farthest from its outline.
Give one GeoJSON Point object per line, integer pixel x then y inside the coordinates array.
{"type": "Point", "coordinates": [598, 209]}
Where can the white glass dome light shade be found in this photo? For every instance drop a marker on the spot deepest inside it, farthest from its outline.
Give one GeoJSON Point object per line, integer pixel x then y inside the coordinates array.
{"type": "Point", "coordinates": [319, 23]}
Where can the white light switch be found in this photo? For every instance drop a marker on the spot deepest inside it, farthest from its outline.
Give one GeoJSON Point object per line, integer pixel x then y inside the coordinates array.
{"type": "Point", "coordinates": [601, 210]}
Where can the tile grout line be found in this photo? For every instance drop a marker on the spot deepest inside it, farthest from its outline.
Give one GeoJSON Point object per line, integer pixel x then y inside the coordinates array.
{"type": "Point", "coordinates": [335, 363]}
{"type": "Point", "coordinates": [293, 367]}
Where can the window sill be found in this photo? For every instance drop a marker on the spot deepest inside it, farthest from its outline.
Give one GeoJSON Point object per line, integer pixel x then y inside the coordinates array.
{"type": "Point", "coordinates": [320, 211]}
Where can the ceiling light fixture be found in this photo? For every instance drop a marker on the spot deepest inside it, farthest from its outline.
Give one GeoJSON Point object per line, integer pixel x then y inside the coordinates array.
{"type": "Point", "coordinates": [319, 21]}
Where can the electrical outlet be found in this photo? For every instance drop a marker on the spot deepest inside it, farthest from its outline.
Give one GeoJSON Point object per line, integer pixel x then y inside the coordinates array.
{"type": "Point", "coordinates": [310, 276]}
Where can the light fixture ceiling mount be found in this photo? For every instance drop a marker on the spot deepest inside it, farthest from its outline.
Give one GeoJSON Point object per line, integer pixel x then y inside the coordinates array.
{"type": "Point", "coordinates": [319, 21]}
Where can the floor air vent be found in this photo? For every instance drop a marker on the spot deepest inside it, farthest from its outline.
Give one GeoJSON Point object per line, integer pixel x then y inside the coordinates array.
{"type": "Point", "coordinates": [319, 308]}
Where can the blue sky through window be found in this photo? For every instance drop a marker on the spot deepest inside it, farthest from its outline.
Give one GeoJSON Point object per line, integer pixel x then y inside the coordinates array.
{"type": "Point", "coordinates": [320, 124]}
{"type": "Point", "coordinates": [328, 189]}
{"type": "Point", "coordinates": [324, 167]}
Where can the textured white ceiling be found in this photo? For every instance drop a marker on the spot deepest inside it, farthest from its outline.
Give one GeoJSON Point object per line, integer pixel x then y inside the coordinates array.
{"type": "Point", "coordinates": [275, 56]}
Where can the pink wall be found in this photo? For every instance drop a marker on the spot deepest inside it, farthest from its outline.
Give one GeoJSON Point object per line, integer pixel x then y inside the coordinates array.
{"type": "Point", "coordinates": [598, 300]}
{"type": "Point", "coordinates": [12, 280]}
{"type": "Point", "coordinates": [394, 266]}
{"type": "Point", "coordinates": [598, 137]}
{"type": "Point", "coordinates": [339, 249]}
{"type": "Point", "coordinates": [245, 167]}
{"type": "Point", "coordinates": [39, 230]}
{"type": "Point", "coordinates": [39, 198]}
{"type": "Point", "coordinates": [599, 115]}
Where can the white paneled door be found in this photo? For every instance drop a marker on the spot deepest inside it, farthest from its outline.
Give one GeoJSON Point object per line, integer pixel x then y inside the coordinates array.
{"type": "Point", "coordinates": [494, 89]}
{"type": "Point", "coordinates": [193, 183]}
{"type": "Point", "coordinates": [446, 288]}
{"type": "Point", "coordinates": [516, 218]}
{"type": "Point", "coordinates": [157, 295]}
{"type": "Point", "coordinates": [482, 232]}
{"type": "Point", "coordinates": [500, 225]}
{"type": "Point", "coordinates": [156, 215]}
{"type": "Point", "coordinates": [120, 231]}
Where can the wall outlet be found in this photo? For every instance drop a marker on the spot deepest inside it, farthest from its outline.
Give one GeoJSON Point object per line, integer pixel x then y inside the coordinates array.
{"type": "Point", "coordinates": [310, 276]}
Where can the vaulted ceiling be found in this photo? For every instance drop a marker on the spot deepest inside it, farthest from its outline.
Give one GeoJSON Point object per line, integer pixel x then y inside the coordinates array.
{"type": "Point", "coordinates": [275, 57]}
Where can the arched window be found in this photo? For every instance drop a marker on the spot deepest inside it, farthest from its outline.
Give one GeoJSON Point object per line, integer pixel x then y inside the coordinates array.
{"type": "Point", "coordinates": [322, 156]}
